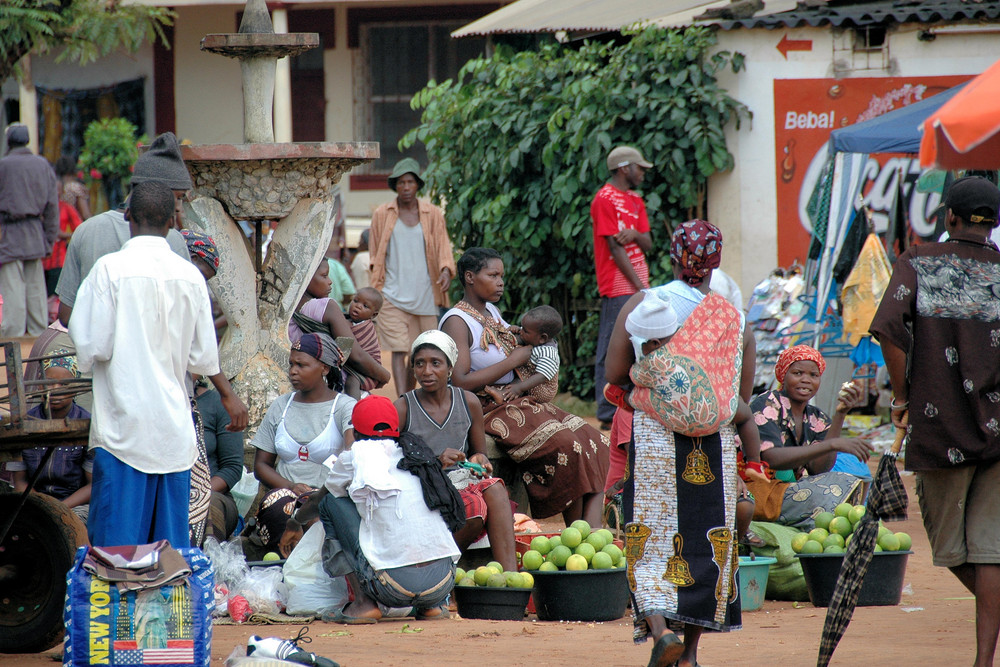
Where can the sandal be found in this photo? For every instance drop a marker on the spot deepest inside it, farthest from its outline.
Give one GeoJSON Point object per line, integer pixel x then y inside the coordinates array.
{"type": "Point", "coordinates": [442, 615]}
{"type": "Point", "coordinates": [338, 616]}
{"type": "Point", "coordinates": [666, 651]}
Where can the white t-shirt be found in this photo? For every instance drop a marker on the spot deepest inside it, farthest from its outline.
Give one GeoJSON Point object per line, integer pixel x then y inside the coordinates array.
{"type": "Point", "coordinates": [141, 321]}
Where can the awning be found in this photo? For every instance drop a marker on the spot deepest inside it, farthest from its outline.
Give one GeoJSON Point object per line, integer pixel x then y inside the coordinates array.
{"type": "Point", "coordinates": [537, 16]}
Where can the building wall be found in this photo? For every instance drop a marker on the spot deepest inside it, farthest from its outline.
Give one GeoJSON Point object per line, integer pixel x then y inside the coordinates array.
{"type": "Point", "coordinates": [743, 201]}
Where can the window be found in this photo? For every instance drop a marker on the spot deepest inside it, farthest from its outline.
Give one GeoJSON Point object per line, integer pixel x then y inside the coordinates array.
{"type": "Point", "coordinates": [396, 61]}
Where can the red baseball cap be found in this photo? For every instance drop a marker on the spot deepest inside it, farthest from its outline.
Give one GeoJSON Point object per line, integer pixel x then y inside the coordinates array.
{"type": "Point", "coordinates": [376, 416]}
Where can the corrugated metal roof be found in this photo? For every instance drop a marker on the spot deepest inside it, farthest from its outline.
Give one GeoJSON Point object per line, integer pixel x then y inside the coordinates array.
{"type": "Point", "coordinates": [857, 14]}
{"type": "Point", "coordinates": [536, 16]}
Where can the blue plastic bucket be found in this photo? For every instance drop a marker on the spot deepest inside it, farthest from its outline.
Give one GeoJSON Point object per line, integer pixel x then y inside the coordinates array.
{"type": "Point", "coordinates": [753, 581]}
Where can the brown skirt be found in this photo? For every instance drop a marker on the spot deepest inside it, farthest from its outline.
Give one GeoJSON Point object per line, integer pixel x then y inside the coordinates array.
{"type": "Point", "coordinates": [560, 456]}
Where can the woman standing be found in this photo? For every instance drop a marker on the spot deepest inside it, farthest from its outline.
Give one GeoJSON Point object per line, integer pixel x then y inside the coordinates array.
{"type": "Point", "coordinates": [563, 460]}
{"type": "Point", "coordinates": [450, 421]}
{"type": "Point", "coordinates": [680, 500]}
{"type": "Point", "coordinates": [802, 443]}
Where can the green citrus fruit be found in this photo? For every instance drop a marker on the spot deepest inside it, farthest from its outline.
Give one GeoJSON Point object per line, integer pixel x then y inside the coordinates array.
{"type": "Point", "coordinates": [812, 547]}
{"type": "Point", "coordinates": [843, 509]}
{"type": "Point", "coordinates": [833, 549]}
{"type": "Point", "coordinates": [459, 574]}
{"type": "Point", "coordinates": [882, 531]}
{"type": "Point", "coordinates": [271, 555]}
{"type": "Point", "coordinates": [833, 540]}
{"type": "Point", "coordinates": [842, 526]}
{"type": "Point", "coordinates": [602, 561]}
{"type": "Point", "coordinates": [878, 548]}
{"type": "Point", "coordinates": [586, 550]}
{"type": "Point", "coordinates": [513, 579]}
{"type": "Point", "coordinates": [496, 581]}
{"type": "Point", "coordinates": [582, 526]}
{"type": "Point", "coordinates": [818, 534]}
{"type": "Point", "coordinates": [856, 513]}
{"type": "Point", "coordinates": [571, 537]}
{"type": "Point", "coordinates": [548, 566]}
{"type": "Point", "coordinates": [609, 537]}
{"type": "Point", "coordinates": [554, 542]}
{"type": "Point", "coordinates": [621, 563]}
{"type": "Point", "coordinates": [481, 574]}
{"type": "Point", "coordinates": [596, 540]}
{"type": "Point", "coordinates": [905, 541]}
{"type": "Point", "coordinates": [527, 581]}
{"type": "Point", "coordinates": [799, 541]}
{"type": "Point", "coordinates": [889, 542]}
{"type": "Point", "coordinates": [576, 562]}
{"type": "Point", "coordinates": [467, 581]}
{"type": "Point", "coordinates": [496, 566]}
{"type": "Point", "coordinates": [532, 560]}
{"type": "Point", "coordinates": [823, 520]}
{"type": "Point", "coordinates": [559, 555]}
{"type": "Point", "coordinates": [613, 551]}
{"type": "Point", "coordinates": [541, 545]}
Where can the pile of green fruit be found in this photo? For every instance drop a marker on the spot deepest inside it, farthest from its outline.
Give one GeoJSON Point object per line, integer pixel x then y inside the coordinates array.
{"type": "Point", "coordinates": [833, 532]}
{"type": "Point", "coordinates": [576, 548]}
{"type": "Point", "coordinates": [492, 575]}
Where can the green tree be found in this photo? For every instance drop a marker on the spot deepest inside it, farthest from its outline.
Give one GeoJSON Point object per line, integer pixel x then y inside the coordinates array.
{"type": "Point", "coordinates": [517, 146]}
{"type": "Point", "coordinates": [79, 30]}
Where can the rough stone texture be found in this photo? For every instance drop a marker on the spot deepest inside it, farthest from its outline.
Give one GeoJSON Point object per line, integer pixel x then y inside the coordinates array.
{"type": "Point", "coordinates": [262, 45]}
{"type": "Point", "coordinates": [254, 351]}
{"type": "Point", "coordinates": [268, 188]}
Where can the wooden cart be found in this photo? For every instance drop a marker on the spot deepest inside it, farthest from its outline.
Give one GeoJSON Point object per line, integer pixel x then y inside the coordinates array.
{"type": "Point", "coordinates": [39, 535]}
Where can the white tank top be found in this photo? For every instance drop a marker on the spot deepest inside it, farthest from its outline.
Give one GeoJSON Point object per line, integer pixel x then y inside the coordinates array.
{"type": "Point", "coordinates": [481, 358]}
{"type": "Point", "coordinates": [328, 442]}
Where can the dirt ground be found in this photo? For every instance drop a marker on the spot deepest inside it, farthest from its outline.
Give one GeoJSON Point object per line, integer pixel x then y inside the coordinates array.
{"type": "Point", "coordinates": [935, 625]}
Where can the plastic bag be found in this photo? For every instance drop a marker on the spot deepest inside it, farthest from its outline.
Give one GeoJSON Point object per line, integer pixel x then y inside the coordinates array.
{"type": "Point", "coordinates": [264, 590]}
{"type": "Point", "coordinates": [228, 561]}
{"type": "Point", "coordinates": [785, 580]}
{"type": "Point", "coordinates": [310, 589]}
{"type": "Point", "coordinates": [245, 491]}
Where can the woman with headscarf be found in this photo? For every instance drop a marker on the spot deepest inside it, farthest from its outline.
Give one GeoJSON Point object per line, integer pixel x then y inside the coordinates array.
{"type": "Point", "coordinates": [562, 459]}
{"type": "Point", "coordinates": [680, 498]}
{"type": "Point", "coordinates": [802, 443]}
{"type": "Point", "coordinates": [67, 474]}
{"type": "Point", "coordinates": [303, 431]}
{"type": "Point", "coordinates": [450, 421]}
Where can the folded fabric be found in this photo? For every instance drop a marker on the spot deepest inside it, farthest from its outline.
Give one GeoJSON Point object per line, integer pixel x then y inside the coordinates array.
{"type": "Point", "coordinates": [137, 567]}
{"type": "Point", "coordinates": [372, 480]}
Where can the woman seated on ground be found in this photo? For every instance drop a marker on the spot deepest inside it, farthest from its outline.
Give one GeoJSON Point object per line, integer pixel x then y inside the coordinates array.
{"type": "Point", "coordinates": [801, 442]}
{"type": "Point", "coordinates": [300, 432]}
{"type": "Point", "coordinates": [565, 471]}
{"type": "Point", "coordinates": [67, 474]}
{"type": "Point", "coordinates": [318, 312]}
{"type": "Point", "coordinates": [224, 451]}
{"type": "Point", "coordinates": [394, 550]}
{"type": "Point", "coordinates": [450, 421]}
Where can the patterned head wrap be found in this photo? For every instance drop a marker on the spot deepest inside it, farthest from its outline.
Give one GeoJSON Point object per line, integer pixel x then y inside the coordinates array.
{"type": "Point", "coordinates": [438, 339]}
{"type": "Point", "coordinates": [275, 508]}
{"type": "Point", "coordinates": [322, 347]}
{"type": "Point", "coordinates": [797, 353]}
{"type": "Point", "coordinates": [202, 245]}
{"type": "Point", "coordinates": [696, 248]}
{"type": "Point", "coordinates": [68, 362]}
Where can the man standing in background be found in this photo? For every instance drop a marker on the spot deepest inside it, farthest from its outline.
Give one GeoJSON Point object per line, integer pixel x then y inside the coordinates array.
{"type": "Point", "coordinates": [29, 225]}
{"type": "Point", "coordinates": [621, 239]}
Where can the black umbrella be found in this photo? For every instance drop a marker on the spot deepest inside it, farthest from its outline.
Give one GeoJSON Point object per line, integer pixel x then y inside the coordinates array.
{"type": "Point", "coordinates": [887, 501]}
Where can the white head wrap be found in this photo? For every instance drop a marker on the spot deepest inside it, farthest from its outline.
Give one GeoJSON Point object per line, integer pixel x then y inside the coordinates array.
{"type": "Point", "coordinates": [440, 340]}
{"type": "Point", "coordinates": [654, 317]}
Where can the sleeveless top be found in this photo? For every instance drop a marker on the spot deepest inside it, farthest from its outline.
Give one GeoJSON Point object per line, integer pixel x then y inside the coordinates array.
{"type": "Point", "coordinates": [481, 358]}
{"type": "Point", "coordinates": [454, 432]}
{"type": "Point", "coordinates": [328, 442]}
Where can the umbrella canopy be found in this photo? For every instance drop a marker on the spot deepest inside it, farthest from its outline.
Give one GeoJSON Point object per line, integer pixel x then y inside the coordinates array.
{"type": "Point", "coordinates": [965, 132]}
{"type": "Point", "coordinates": [887, 501]}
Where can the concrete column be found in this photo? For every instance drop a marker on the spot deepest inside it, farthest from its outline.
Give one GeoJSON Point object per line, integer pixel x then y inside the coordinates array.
{"type": "Point", "coordinates": [282, 84]}
{"type": "Point", "coordinates": [28, 102]}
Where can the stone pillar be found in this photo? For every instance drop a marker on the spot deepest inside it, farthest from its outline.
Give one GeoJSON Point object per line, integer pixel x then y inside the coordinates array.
{"type": "Point", "coordinates": [282, 84]}
{"type": "Point", "coordinates": [28, 103]}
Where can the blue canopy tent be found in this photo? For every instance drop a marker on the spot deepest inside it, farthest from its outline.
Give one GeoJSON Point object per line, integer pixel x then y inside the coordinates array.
{"type": "Point", "coordinates": [894, 132]}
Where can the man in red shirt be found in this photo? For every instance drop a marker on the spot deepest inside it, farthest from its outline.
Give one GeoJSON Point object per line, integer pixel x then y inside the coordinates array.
{"type": "Point", "coordinates": [621, 239]}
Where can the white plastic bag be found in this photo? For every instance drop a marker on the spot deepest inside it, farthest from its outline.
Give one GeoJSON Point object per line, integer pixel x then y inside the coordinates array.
{"type": "Point", "coordinates": [310, 589]}
{"type": "Point", "coordinates": [244, 492]}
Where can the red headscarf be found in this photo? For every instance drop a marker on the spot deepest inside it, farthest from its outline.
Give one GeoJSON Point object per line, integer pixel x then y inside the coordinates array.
{"type": "Point", "coordinates": [797, 353]}
{"type": "Point", "coordinates": [696, 248]}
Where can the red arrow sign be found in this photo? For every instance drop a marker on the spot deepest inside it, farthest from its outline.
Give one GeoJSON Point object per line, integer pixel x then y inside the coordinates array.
{"type": "Point", "coordinates": [786, 45]}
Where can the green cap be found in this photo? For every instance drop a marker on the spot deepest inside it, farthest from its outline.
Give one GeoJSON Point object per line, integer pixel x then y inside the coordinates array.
{"type": "Point", "coordinates": [406, 166]}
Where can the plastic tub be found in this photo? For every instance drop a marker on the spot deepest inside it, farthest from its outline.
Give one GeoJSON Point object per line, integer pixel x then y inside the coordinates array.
{"type": "Point", "coordinates": [491, 604]}
{"type": "Point", "coordinates": [586, 595]}
{"type": "Point", "coordinates": [882, 587]}
{"type": "Point", "coordinates": [753, 581]}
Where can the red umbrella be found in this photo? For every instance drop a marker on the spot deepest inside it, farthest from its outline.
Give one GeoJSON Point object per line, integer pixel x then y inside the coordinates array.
{"type": "Point", "coordinates": [965, 132]}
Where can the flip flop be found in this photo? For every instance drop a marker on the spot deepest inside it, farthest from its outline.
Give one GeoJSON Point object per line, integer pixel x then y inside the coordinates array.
{"type": "Point", "coordinates": [339, 616]}
{"type": "Point", "coordinates": [666, 651]}
{"type": "Point", "coordinates": [443, 616]}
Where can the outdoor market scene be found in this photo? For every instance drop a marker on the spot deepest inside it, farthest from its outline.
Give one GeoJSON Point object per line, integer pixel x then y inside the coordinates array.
{"type": "Point", "coordinates": [656, 333]}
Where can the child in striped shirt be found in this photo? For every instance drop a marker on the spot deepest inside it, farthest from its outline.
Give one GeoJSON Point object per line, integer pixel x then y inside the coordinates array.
{"type": "Point", "coordinates": [539, 328]}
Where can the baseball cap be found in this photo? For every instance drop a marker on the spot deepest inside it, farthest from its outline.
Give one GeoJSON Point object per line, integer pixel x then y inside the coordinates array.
{"type": "Point", "coordinates": [974, 199]}
{"type": "Point", "coordinates": [623, 156]}
{"type": "Point", "coordinates": [376, 416]}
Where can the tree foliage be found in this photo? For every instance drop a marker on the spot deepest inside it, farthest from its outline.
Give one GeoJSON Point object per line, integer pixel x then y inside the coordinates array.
{"type": "Point", "coordinates": [78, 30]}
{"type": "Point", "coordinates": [517, 147]}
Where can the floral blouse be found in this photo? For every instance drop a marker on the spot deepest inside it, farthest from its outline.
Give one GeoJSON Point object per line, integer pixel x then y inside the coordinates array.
{"type": "Point", "coordinates": [772, 412]}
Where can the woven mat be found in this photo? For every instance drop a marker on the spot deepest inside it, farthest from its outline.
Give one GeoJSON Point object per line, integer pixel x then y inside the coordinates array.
{"type": "Point", "coordinates": [265, 619]}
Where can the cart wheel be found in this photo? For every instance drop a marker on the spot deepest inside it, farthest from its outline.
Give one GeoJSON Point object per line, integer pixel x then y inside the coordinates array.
{"type": "Point", "coordinates": [34, 559]}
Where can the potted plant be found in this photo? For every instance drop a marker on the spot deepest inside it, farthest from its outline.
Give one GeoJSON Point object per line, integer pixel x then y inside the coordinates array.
{"type": "Point", "coordinates": [110, 149]}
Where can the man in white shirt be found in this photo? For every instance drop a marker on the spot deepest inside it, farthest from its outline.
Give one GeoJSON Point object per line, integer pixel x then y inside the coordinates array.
{"type": "Point", "coordinates": [142, 320]}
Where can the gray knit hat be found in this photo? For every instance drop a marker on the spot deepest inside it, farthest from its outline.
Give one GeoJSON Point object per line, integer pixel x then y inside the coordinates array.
{"type": "Point", "coordinates": [162, 163]}
{"type": "Point", "coordinates": [17, 134]}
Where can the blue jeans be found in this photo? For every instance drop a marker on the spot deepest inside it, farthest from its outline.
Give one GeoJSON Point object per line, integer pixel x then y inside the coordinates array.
{"type": "Point", "coordinates": [610, 307]}
{"type": "Point", "coordinates": [423, 585]}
